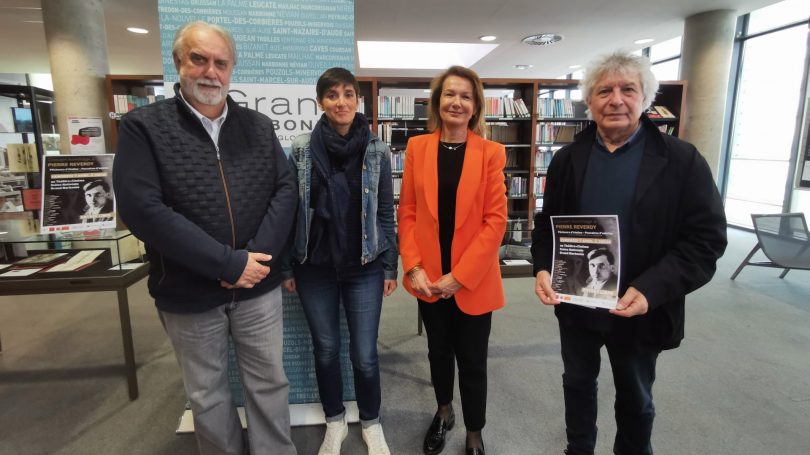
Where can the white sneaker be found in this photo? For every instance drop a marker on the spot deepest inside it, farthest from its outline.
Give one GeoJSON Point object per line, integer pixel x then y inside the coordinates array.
{"type": "Point", "coordinates": [335, 434]}
{"type": "Point", "coordinates": [375, 440]}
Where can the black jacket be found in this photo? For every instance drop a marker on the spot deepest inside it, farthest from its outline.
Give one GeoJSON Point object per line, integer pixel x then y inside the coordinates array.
{"type": "Point", "coordinates": [200, 208]}
{"type": "Point", "coordinates": [678, 231]}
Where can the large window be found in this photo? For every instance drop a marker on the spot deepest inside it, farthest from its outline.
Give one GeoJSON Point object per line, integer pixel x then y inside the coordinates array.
{"type": "Point", "coordinates": [768, 93]}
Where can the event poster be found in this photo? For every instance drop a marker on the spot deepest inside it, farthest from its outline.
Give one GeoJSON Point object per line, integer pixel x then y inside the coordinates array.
{"type": "Point", "coordinates": [585, 269]}
{"type": "Point", "coordinates": [77, 193]}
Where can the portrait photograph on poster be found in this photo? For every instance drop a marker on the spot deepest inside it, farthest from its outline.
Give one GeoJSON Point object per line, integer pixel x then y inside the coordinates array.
{"type": "Point", "coordinates": [586, 261]}
{"type": "Point", "coordinates": [77, 193]}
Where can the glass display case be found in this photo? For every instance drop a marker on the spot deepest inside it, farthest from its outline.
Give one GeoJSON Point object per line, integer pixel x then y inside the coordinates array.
{"type": "Point", "coordinates": [71, 254]}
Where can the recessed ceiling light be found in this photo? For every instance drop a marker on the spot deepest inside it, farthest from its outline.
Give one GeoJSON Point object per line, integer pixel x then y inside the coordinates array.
{"type": "Point", "coordinates": [542, 39]}
{"type": "Point", "coordinates": [573, 67]}
{"type": "Point", "coordinates": [643, 41]}
{"type": "Point", "coordinates": [137, 30]}
{"type": "Point", "coordinates": [523, 67]}
{"type": "Point", "coordinates": [33, 22]}
{"type": "Point", "coordinates": [488, 38]}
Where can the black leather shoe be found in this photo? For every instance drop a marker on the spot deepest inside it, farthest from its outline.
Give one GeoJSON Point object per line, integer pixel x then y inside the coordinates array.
{"type": "Point", "coordinates": [434, 438]}
{"type": "Point", "coordinates": [476, 450]}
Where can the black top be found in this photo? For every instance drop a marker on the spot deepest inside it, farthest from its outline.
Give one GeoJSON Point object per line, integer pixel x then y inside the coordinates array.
{"type": "Point", "coordinates": [450, 162]}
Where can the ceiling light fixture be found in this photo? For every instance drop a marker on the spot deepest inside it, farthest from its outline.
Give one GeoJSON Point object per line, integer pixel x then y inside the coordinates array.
{"type": "Point", "coordinates": [523, 67]}
{"type": "Point", "coordinates": [488, 38]}
{"type": "Point", "coordinates": [643, 41]}
{"type": "Point", "coordinates": [573, 67]}
{"type": "Point", "coordinates": [138, 30]}
{"type": "Point", "coordinates": [33, 22]}
{"type": "Point", "coordinates": [542, 39]}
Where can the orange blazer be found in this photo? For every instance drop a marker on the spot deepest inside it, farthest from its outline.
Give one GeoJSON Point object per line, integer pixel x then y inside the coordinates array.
{"type": "Point", "coordinates": [480, 220]}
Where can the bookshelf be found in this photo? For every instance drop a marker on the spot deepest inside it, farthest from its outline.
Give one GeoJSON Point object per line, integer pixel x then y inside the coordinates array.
{"type": "Point", "coordinates": [27, 132]}
{"type": "Point", "coordinates": [126, 92]}
{"type": "Point", "coordinates": [554, 113]}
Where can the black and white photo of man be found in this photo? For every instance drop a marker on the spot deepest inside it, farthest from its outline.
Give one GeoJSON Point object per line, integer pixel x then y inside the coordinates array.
{"type": "Point", "coordinates": [99, 201]}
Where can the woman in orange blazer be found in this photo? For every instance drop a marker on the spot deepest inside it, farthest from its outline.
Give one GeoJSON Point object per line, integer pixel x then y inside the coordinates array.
{"type": "Point", "coordinates": [452, 218]}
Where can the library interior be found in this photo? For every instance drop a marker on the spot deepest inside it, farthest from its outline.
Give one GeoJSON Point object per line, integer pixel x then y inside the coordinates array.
{"type": "Point", "coordinates": [79, 374]}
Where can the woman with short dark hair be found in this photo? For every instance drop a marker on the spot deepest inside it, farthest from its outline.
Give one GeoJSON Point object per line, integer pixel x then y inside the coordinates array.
{"type": "Point", "coordinates": [345, 251]}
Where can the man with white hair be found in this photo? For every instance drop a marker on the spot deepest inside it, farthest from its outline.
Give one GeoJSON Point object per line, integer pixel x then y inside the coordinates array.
{"type": "Point", "coordinates": [205, 184]}
{"type": "Point", "coordinates": [672, 228]}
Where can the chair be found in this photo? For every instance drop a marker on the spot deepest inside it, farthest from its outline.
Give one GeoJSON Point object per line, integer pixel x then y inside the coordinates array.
{"type": "Point", "coordinates": [785, 241]}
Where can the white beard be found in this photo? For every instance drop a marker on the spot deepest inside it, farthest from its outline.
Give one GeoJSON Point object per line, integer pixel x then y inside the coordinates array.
{"type": "Point", "coordinates": [206, 96]}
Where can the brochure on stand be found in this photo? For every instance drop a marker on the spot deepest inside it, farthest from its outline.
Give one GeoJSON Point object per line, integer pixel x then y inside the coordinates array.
{"type": "Point", "coordinates": [586, 261]}
{"type": "Point", "coordinates": [77, 193]}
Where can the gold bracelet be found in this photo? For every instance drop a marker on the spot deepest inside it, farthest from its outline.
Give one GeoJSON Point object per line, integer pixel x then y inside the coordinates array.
{"type": "Point", "coordinates": [414, 269]}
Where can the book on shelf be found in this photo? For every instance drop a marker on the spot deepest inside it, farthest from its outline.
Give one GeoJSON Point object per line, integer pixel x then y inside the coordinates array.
{"type": "Point", "coordinates": [398, 161]}
{"type": "Point", "coordinates": [517, 186]}
{"type": "Point", "coordinates": [664, 112]}
{"type": "Point", "coordinates": [396, 134]}
{"type": "Point", "coordinates": [539, 185]}
{"type": "Point", "coordinates": [557, 132]}
{"type": "Point", "coordinates": [397, 186]}
{"type": "Point", "coordinates": [396, 106]}
{"type": "Point", "coordinates": [652, 113]}
{"type": "Point", "coordinates": [542, 158]}
{"type": "Point", "coordinates": [503, 132]}
{"type": "Point", "coordinates": [505, 107]}
{"type": "Point", "coordinates": [560, 108]}
{"type": "Point", "coordinates": [512, 159]}
{"type": "Point", "coordinates": [126, 103]}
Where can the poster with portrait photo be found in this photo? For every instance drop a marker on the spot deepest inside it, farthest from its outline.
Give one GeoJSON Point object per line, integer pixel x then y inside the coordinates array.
{"type": "Point", "coordinates": [77, 193]}
{"type": "Point", "coordinates": [586, 261]}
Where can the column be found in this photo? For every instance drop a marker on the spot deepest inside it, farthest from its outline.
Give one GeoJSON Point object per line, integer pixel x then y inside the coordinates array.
{"type": "Point", "coordinates": [77, 46]}
{"type": "Point", "coordinates": [708, 42]}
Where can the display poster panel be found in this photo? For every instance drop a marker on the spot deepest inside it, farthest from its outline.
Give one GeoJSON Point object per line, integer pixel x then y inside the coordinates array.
{"type": "Point", "coordinates": [587, 258]}
{"type": "Point", "coordinates": [282, 48]}
{"type": "Point", "coordinates": [77, 193]}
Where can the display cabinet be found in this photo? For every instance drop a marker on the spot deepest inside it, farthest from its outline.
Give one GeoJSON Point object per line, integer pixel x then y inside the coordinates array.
{"type": "Point", "coordinates": [77, 262]}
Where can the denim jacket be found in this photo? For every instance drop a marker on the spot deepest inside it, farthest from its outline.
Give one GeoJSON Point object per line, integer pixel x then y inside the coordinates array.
{"type": "Point", "coordinates": [379, 230]}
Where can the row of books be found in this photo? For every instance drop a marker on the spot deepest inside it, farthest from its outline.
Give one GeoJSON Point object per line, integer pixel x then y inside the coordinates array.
{"type": "Point", "coordinates": [557, 132]}
{"type": "Point", "coordinates": [560, 108]}
{"type": "Point", "coordinates": [397, 186]}
{"type": "Point", "coordinates": [539, 185]}
{"type": "Point", "coordinates": [503, 132]}
{"type": "Point", "coordinates": [505, 107]}
{"type": "Point", "coordinates": [513, 159]}
{"type": "Point", "coordinates": [126, 103]}
{"type": "Point", "coordinates": [399, 107]}
{"type": "Point", "coordinates": [397, 134]}
{"type": "Point", "coordinates": [517, 186]}
{"type": "Point", "coordinates": [398, 161]}
{"type": "Point", "coordinates": [542, 158]}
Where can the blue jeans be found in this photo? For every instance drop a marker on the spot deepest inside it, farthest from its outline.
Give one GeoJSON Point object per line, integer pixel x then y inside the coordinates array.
{"type": "Point", "coordinates": [360, 289]}
{"type": "Point", "coordinates": [633, 375]}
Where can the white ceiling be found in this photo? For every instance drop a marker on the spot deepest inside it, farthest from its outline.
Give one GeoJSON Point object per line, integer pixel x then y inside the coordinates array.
{"type": "Point", "coordinates": [589, 28]}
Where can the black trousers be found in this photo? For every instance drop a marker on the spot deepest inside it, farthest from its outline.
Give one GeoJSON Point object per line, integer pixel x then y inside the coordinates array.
{"type": "Point", "coordinates": [633, 374]}
{"type": "Point", "coordinates": [454, 336]}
